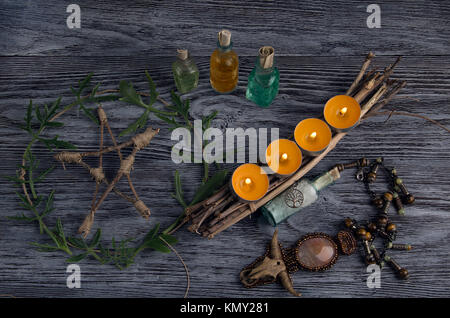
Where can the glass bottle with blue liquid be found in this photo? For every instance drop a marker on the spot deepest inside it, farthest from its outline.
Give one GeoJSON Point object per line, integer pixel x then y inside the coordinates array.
{"type": "Point", "coordinates": [264, 79]}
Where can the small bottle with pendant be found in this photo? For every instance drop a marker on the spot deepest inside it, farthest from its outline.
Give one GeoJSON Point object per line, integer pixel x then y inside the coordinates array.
{"type": "Point", "coordinates": [300, 195]}
{"type": "Point", "coordinates": [264, 79]}
{"type": "Point", "coordinates": [185, 72]}
{"type": "Point", "coordinates": [224, 64]}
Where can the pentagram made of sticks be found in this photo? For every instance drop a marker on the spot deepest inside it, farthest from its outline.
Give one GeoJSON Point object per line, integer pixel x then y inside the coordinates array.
{"type": "Point", "coordinates": [138, 142]}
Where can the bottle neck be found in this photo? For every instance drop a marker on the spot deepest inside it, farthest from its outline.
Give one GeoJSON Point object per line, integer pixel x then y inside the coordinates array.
{"type": "Point", "coordinates": [326, 179]}
{"type": "Point", "coordinates": [260, 69]}
{"type": "Point", "coordinates": [224, 48]}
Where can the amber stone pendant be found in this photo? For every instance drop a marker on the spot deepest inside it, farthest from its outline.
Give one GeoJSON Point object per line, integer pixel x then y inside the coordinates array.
{"type": "Point", "coordinates": [316, 251]}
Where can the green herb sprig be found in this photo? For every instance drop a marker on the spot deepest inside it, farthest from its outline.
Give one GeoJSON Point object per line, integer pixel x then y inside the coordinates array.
{"type": "Point", "coordinates": [37, 120]}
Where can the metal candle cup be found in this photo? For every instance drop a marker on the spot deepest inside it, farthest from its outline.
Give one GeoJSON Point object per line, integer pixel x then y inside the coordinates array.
{"type": "Point", "coordinates": [313, 136]}
{"type": "Point", "coordinates": [283, 157]}
{"type": "Point", "coordinates": [342, 112]}
{"type": "Point", "coordinates": [249, 182]}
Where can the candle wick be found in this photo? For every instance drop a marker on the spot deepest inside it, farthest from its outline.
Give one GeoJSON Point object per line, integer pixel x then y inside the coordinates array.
{"type": "Point", "coordinates": [248, 181]}
{"type": "Point", "coordinates": [343, 111]}
{"type": "Point", "coordinates": [313, 135]}
{"type": "Point", "coordinates": [284, 156]}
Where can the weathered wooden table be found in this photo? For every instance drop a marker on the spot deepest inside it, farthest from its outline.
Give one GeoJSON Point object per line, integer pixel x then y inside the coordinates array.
{"type": "Point", "coordinates": [320, 47]}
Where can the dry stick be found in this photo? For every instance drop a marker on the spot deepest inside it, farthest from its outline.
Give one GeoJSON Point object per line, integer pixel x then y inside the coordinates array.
{"type": "Point", "coordinates": [220, 216]}
{"type": "Point", "coordinates": [119, 153]}
{"type": "Point", "coordinates": [85, 227]}
{"type": "Point", "coordinates": [105, 180]}
{"type": "Point", "coordinates": [361, 73]}
{"type": "Point", "coordinates": [219, 207]}
{"type": "Point", "coordinates": [236, 217]}
{"type": "Point", "coordinates": [390, 113]}
{"type": "Point", "coordinates": [125, 168]}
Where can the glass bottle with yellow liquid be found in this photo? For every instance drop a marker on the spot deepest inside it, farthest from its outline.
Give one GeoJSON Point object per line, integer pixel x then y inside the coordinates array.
{"type": "Point", "coordinates": [224, 64]}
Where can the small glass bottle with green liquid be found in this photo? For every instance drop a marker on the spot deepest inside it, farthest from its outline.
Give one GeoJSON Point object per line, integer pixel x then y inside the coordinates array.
{"type": "Point", "coordinates": [224, 64]}
{"type": "Point", "coordinates": [300, 195]}
{"type": "Point", "coordinates": [185, 72]}
{"type": "Point", "coordinates": [264, 79]}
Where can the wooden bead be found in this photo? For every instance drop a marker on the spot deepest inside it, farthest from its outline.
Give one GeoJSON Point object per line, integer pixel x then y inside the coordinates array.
{"type": "Point", "coordinates": [387, 202]}
{"type": "Point", "coordinates": [378, 202]}
{"type": "Point", "coordinates": [361, 232]}
{"type": "Point", "coordinates": [410, 199]}
{"type": "Point", "coordinates": [382, 221]}
{"type": "Point", "coordinates": [391, 227]}
{"type": "Point", "coordinates": [376, 254]}
{"type": "Point", "coordinates": [372, 227]}
{"type": "Point", "coordinates": [388, 196]}
{"type": "Point", "coordinates": [398, 204]}
{"type": "Point", "coordinates": [350, 224]}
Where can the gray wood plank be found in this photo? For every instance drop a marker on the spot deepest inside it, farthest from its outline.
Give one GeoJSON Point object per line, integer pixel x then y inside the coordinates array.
{"type": "Point", "coordinates": [419, 150]}
{"type": "Point", "coordinates": [159, 27]}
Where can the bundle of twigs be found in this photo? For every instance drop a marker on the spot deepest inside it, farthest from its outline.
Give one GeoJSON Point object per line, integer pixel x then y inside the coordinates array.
{"type": "Point", "coordinates": [372, 89]}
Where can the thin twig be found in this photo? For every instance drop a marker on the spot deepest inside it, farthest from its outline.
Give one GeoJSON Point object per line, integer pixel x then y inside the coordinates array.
{"type": "Point", "coordinates": [390, 113]}
{"type": "Point", "coordinates": [184, 264]}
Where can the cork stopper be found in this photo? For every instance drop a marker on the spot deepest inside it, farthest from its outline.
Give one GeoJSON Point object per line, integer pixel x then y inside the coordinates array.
{"type": "Point", "coordinates": [266, 54]}
{"type": "Point", "coordinates": [182, 54]}
{"type": "Point", "coordinates": [335, 173]}
{"type": "Point", "coordinates": [224, 38]}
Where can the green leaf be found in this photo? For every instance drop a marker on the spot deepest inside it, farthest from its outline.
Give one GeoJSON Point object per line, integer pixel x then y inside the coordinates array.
{"type": "Point", "coordinates": [153, 93]}
{"type": "Point", "coordinates": [79, 243]}
{"type": "Point", "coordinates": [141, 122]}
{"type": "Point", "coordinates": [83, 84]}
{"type": "Point", "coordinates": [76, 258]}
{"type": "Point", "coordinates": [129, 94]}
{"type": "Point", "coordinates": [54, 124]}
{"type": "Point", "coordinates": [158, 245]}
{"type": "Point", "coordinates": [210, 186]}
{"type": "Point", "coordinates": [56, 143]}
{"type": "Point", "coordinates": [21, 217]}
{"type": "Point", "coordinates": [94, 90]}
{"type": "Point", "coordinates": [43, 174]}
{"type": "Point", "coordinates": [60, 231]}
{"type": "Point", "coordinates": [152, 233]}
{"type": "Point", "coordinates": [172, 240]}
{"type": "Point", "coordinates": [96, 238]}
{"type": "Point", "coordinates": [90, 113]}
{"type": "Point", "coordinates": [45, 247]}
{"type": "Point", "coordinates": [206, 121]}
{"type": "Point", "coordinates": [178, 190]}
{"type": "Point", "coordinates": [38, 113]}
{"type": "Point", "coordinates": [50, 112]}
{"type": "Point", "coordinates": [29, 116]}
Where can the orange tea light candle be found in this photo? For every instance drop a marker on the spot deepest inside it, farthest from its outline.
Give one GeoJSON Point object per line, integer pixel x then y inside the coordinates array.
{"type": "Point", "coordinates": [283, 156]}
{"type": "Point", "coordinates": [249, 182]}
{"type": "Point", "coordinates": [313, 136]}
{"type": "Point", "coordinates": [342, 112]}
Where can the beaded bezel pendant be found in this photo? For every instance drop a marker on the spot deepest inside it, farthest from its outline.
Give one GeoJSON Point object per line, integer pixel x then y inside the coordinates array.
{"type": "Point", "coordinates": [312, 236]}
